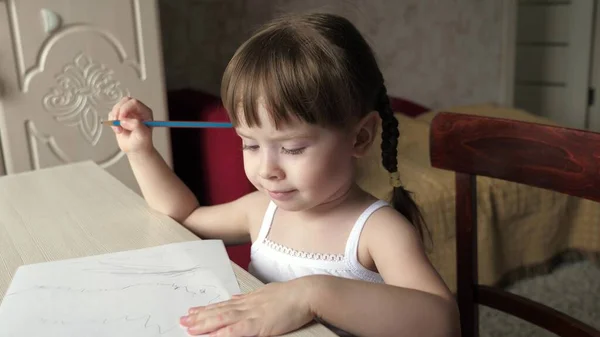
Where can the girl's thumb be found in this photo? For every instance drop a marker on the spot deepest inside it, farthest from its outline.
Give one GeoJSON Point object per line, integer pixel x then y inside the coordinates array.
{"type": "Point", "coordinates": [130, 124]}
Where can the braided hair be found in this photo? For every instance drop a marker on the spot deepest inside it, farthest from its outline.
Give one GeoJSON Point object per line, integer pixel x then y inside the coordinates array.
{"type": "Point", "coordinates": [402, 200]}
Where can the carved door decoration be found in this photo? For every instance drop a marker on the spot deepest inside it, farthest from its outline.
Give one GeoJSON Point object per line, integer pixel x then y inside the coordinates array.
{"type": "Point", "coordinates": [63, 65]}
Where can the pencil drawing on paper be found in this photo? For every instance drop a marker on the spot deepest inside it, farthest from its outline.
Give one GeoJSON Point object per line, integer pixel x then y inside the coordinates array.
{"type": "Point", "coordinates": [132, 294]}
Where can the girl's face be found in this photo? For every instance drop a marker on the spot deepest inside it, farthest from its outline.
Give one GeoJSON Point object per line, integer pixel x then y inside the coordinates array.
{"type": "Point", "coordinates": [300, 166]}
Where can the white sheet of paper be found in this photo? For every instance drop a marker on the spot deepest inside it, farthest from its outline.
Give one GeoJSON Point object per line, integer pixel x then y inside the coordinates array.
{"type": "Point", "coordinates": [133, 293]}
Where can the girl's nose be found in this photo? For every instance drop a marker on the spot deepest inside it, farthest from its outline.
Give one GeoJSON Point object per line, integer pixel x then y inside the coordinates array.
{"type": "Point", "coordinates": [270, 169]}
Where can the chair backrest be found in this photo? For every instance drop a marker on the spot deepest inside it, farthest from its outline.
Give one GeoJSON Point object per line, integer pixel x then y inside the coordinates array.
{"type": "Point", "coordinates": [551, 157]}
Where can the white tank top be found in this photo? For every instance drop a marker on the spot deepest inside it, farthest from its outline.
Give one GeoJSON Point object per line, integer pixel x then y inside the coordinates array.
{"type": "Point", "coordinates": [272, 262]}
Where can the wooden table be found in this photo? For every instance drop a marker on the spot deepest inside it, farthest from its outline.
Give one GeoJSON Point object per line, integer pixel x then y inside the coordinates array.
{"type": "Point", "coordinates": [79, 210]}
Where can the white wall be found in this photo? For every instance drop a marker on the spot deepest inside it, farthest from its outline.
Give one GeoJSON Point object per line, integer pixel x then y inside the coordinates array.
{"type": "Point", "coordinates": [436, 52]}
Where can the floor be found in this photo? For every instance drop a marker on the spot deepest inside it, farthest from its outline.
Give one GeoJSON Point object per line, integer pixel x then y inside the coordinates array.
{"type": "Point", "coordinates": [573, 288]}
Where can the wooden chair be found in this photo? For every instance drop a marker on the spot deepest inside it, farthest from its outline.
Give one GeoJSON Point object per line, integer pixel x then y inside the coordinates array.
{"type": "Point", "coordinates": [555, 158]}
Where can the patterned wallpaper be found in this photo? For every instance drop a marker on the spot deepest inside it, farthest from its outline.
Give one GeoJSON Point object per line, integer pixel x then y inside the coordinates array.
{"type": "Point", "coordinates": [435, 52]}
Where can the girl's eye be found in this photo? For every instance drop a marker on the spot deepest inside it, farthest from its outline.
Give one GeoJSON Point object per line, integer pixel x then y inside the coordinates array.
{"type": "Point", "coordinates": [293, 151]}
{"type": "Point", "coordinates": [250, 147]}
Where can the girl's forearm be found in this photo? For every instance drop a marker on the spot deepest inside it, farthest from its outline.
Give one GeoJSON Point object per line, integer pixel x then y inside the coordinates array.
{"type": "Point", "coordinates": [161, 187]}
{"type": "Point", "coordinates": [370, 309]}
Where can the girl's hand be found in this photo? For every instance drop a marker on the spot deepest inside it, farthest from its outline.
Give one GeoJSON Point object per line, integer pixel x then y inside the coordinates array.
{"type": "Point", "coordinates": [274, 309]}
{"type": "Point", "coordinates": [133, 136]}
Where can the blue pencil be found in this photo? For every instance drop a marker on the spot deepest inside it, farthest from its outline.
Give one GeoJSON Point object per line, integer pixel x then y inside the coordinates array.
{"type": "Point", "coordinates": [176, 124]}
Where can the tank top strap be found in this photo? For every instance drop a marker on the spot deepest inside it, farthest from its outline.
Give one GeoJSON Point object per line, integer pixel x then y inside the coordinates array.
{"type": "Point", "coordinates": [265, 227]}
{"type": "Point", "coordinates": [351, 251]}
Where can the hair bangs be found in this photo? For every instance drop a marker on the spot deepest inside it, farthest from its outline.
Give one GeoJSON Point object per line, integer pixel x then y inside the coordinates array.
{"type": "Point", "coordinates": [280, 72]}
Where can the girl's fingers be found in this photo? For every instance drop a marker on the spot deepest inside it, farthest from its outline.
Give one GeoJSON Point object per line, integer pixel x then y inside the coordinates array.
{"type": "Point", "coordinates": [229, 303]}
{"type": "Point", "coordinates": [209, 322]}
{"type": "Point", "coordinates": [135, 109]}
{"type": "Point", "coordinates": [246, 327]}
{"type": "Point", "coordinates": [114, 113]}
{"type": "Point", "coordinates": [130, 124]}
{"type": "Point", "coordinates": [117, 108]}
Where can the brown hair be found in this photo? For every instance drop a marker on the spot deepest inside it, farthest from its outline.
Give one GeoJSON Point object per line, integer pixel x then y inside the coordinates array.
{"type": "Point", "coordinates": [319, 69]}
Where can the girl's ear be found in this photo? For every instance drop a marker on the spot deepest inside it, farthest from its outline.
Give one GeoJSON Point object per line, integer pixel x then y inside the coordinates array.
{"type": "Point", "coordinates": [364, 134]}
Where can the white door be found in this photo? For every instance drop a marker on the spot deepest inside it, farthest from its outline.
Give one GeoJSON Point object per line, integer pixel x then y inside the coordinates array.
{"type": "Point", "coordinates": [63, 65]}
{"type": "Point", "coordinates": [553, 53]}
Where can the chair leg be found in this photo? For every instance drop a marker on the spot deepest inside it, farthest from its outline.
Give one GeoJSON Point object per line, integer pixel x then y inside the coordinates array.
{"type": "Point", "coordinates": [466, 253]}
{"type": "Point", "coordinates": [469, 322]}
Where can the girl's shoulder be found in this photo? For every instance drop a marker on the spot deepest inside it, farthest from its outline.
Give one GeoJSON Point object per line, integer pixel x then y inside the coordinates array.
{"type": "Point", "coordinates": [387, 222]}
{"type": "Point", "coordinates": [255, 205]}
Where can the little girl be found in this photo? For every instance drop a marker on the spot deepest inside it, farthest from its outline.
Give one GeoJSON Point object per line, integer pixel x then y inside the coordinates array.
{"type": "Point", "coordinates": [305, 95]}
